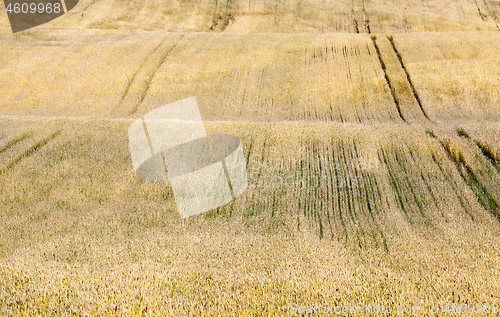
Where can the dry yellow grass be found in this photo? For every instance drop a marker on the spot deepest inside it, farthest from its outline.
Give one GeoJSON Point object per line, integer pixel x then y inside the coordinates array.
{"type": "Point", "coordinates": [279, 16]}
{"type": "Point", "coordinates": [81, 234]}
{"type": "Point", "coordinates": [373, 161]}
{"type": "Point", "coordinates": [256, 77]}
{"type": "Point", "coordinates": [456, 75]}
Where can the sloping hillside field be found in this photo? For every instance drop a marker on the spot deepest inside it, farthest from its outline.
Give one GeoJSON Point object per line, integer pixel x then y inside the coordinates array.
{"type": "Point", "coordinates": [370, 129]}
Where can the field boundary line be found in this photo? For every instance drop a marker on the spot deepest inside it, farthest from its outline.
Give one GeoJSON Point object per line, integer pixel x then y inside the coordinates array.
{"type": "Point", "coordinates": [73, 118]}
{"type": "Point", "coordinates": [131, 119]}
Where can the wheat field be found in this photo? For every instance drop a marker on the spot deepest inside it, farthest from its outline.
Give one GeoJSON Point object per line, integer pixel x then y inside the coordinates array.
{"type": "Point", "coordinates": [371, 135]}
